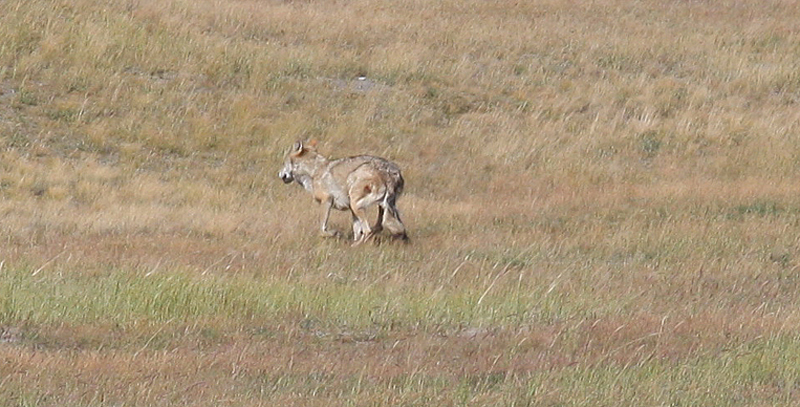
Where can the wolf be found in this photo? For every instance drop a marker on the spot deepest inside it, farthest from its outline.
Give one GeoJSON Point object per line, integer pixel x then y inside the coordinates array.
{"type": "Point", "coordinates": [349, 184]}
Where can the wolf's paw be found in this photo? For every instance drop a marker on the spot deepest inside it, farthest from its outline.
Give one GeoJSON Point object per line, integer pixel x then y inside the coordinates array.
{"type": "Point", "coordinates": [330, 233]}
{"type": "Point", "coordinates": [363, 239]}
{"type": "Point", "coordinates": [403, 237]}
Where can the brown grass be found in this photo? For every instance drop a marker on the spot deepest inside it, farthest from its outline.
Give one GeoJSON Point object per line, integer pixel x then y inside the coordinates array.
{"type": "Point", "coordinates": [600, 195]}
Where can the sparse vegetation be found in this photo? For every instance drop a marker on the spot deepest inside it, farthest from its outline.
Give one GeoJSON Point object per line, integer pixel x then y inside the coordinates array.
{"type": "Point", "coordinates": [601, 198]}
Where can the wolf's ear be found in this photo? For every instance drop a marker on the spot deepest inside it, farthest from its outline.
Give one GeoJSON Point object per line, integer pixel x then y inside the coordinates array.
{"type": "Point", "coordinates": [298, 147]}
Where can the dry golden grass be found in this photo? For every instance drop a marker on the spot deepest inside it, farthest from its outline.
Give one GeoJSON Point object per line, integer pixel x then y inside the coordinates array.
{"type": "Point", "coordinates": [601, 198]}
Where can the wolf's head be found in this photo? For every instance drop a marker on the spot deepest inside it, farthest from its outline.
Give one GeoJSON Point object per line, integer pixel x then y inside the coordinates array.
{"type": "Point", "coordinates": [300, 164]}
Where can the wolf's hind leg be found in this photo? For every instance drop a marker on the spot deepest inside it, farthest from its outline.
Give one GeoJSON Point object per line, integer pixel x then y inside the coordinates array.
{"type": "Point", "coordinates": [379, 223]}
{"type": "Point", "coordinates": [363, 194]}
{"type": "Point", "coordinates": [392, 222]}
{"type": "Point", "coordinates": [361, 230]}
{"type": "Point", "coordinates": [358, 230]}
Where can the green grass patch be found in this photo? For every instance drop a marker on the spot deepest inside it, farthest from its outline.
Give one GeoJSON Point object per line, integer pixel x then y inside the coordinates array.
{"type": "Point", "coordinates": [126, 298]}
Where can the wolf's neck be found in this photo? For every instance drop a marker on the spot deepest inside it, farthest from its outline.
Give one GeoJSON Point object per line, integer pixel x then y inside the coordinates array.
{"type": "Point", "coordinates": [320, 166]}
{"type": "Point", "coordinates": [306, 181]}
{"type": "Point", "coordinates": [318, 169]}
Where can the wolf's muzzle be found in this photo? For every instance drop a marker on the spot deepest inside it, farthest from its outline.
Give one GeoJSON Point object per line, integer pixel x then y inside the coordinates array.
{"type": "Point", "coordinates": [286, 178]}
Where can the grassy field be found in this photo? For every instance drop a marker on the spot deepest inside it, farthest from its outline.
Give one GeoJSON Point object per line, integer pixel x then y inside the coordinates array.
{"type": "Point", "coordinates": [602, 200]}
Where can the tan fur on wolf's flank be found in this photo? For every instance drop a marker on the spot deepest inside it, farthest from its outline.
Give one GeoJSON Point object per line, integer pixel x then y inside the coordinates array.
{"type": "Point", "coordinates": [353, 183]}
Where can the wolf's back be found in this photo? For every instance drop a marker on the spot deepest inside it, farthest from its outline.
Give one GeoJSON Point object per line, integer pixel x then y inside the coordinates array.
{"type": "Point", "coordinates": [390, 172]}
{"type": "Point", "coordinates": [386, 170]}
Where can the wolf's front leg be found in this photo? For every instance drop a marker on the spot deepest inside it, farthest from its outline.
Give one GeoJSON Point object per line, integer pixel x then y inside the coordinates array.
{"type": "Point", "coordinates": [326, 213]}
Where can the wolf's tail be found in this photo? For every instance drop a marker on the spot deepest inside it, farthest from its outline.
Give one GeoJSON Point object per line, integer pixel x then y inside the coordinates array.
{"type": "Point", "coordinates": [400, 184]}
